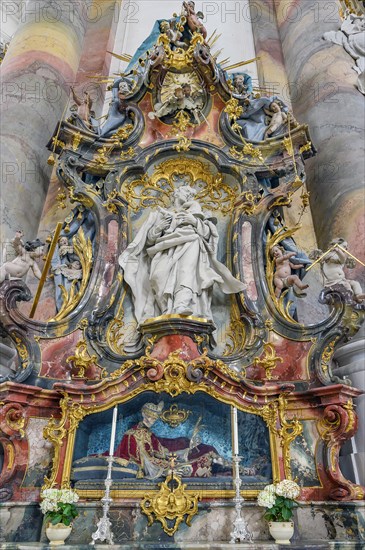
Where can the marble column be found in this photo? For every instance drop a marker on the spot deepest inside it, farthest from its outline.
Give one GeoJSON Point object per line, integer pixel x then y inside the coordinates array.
{"type": "Point", "coordinates": [273, 77]}
{"type": "Point", "coordinates": [270, 66]}
{"type": "Point", "coordinates": [41, 63]}
{"type": "Point", "coordinates": [349, 360]}
{"type": "Point", "coordinates": [324, 95]}
{"type": "Point", "coordinates": [99, 39]}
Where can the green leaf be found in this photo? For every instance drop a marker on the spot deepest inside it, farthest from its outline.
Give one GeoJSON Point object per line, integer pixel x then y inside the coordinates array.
{"type": "Point", "coordinates": [56, 519]}
{"type": "Point", "coordinates": [67, 509]}
{"type": "Point", "coordinates": [66, 521]}
{"type": "Point", "coordinates": [287, 513]}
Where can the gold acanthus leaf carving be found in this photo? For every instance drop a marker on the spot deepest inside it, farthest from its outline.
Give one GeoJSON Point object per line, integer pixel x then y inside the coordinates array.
{"type": "Point", "coordinates": [179, 59]}
{"type": "Point", "coordinates": [327, 354]}
{"type": "Point", "coordinates": [268, 361]}
{"type": "Point", "coordinates": [156, 190]}
{"type": "Point", "coordinates": [58, 428]}
{"type": "Point", "coordinates": [70, 298]}
{"type": "Point", "coordinates": [22, 351]}
{"type": "Point", "coordinates": [236, 334]}
{"type": "Point", "coordinates": [82, 359]}
{"type": "Point", "coordinates": [171, 504]}
{"type": "Point", "coordinates": [289, 430]}
{"type": "Point", "coordinates": [175, 376]}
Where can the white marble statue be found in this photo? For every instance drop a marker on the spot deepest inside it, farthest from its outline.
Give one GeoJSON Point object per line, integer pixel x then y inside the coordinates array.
{"type": "Point", "coordinates": [332, 268]}
{"type": "Point", "coordinates": [171, 265]}
{"type": "Point", "coordinates": [351, 37]}
{"type": "Point", "coordinates": [27, 254]}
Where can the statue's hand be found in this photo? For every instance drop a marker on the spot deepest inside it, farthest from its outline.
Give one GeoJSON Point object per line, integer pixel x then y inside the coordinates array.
{"type": "Point", "coordinates": [164, 223]}
{"type": "Point", "coordinates": [185, 218]}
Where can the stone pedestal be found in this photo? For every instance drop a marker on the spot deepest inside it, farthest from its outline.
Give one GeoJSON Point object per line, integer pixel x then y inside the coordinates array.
{"type": "Point", "coordinates": [319, 525]}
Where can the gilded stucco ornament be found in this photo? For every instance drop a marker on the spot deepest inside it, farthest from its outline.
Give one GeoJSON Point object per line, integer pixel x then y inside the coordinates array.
{"type": "Point", "coordinates": [56, 432]}
{"type": "Point", "coordinates": [213, 192]}
{"type": "Point", "coordinates": [268, 361]}
{"type": "Point", "coordinates": [174, 416]}
{"type": "Point", "coordinates": [82, 360]}
{"type": "Point", "coordinates": [77, 276]}
{"type": "Point", "coordinates": [171, 504]}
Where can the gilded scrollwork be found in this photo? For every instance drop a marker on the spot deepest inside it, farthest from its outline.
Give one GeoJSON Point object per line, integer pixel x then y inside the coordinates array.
{"type": "Point", "coordinates": [172, 503]}
{"type": "Point", "coordinates": [82, 360]}
{"type": "Point", "coordinates": [14, 419]}
{"type": "Point", "coordinates": [268, 361]}
{"type": "Point", "coordinates": [236, 334]}
{"type": "Point", "coordinates": [71, 297]}
{"type": "Point", "coordinates": [289, 430]}
{"type": "Point", "coordinates": [156, 190]}
{"type": "Point", "coordinates": [58, 429]}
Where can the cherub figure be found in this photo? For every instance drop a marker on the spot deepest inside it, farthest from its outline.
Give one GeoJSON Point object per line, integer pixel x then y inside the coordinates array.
{"type": "Point", "coordinates": [27, 254]}
{"type": "Point", "coordinates": [277, 118]}
{"type": "Point", "coordinates": [174, 103]}
{"type": "Point", "coordinates": [332, 268]}
{"type": "Point", "coordinates": [283, 277]}
{"type": "Point", "coordinates": [193, 19]}
{"type": "Point", "coordinates": [72, 271]}
{"type": "Point", "coordinates": [172, 32]}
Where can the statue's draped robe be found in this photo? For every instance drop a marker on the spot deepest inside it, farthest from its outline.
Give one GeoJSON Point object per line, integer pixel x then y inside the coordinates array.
{"type": "Point", "coordinates": [174, 271]}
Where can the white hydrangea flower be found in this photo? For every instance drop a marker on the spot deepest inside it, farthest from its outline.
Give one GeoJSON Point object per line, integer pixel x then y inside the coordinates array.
{"type": "Point", "coordinates": [51, 498]}
{"type": "Point", "coordinates": [266, 499]}
{"type": "Point", "coordinates": [287, 489]}
{"type": "Point", "coordinates": [270, 488]}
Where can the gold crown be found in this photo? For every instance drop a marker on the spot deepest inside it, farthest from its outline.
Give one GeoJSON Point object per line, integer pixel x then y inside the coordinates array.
{"type": "Point", "coordinates": [174, 416]}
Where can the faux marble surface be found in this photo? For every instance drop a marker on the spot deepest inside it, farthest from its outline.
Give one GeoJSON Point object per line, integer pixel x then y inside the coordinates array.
{"type": "Point", "coordinates": [257, 545]}
{"type": "Point", "coordinates": [324, 95]}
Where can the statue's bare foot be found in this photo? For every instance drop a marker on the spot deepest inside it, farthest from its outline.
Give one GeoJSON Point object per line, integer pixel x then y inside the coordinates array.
{"type": "Point", "coordinates": [359, 298]}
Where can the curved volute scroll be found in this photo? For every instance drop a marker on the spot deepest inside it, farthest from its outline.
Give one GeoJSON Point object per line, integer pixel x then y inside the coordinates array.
{"type": "Point", "coordinates": [13, 422]}
{"type": "Point", "coordinates": [338, 424]}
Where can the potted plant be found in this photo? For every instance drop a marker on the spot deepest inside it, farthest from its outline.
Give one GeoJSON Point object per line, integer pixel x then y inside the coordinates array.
{"type": "Point", "coordinates": [58, 506]}
{"type": "Point", "coordinates": [279, 499]}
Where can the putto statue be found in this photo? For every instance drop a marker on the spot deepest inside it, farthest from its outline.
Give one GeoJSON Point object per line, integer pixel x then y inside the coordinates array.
{"type": "Point", "coordinates": [171, 265]}
{"type": "Point", "coordinates": [27, 254]}
{"type": "Point", "coordinates": [351, 37]}
{"type": "Point", "coordinates": [283, 276]}
{"type": "Point", "coordinates": [332, 268]}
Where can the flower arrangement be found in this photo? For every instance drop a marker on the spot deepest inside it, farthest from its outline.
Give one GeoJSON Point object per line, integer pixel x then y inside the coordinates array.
{"type": "Point", "coordinates": [279, 499]}
{"type": "Point", "coordinates": [58, 505]}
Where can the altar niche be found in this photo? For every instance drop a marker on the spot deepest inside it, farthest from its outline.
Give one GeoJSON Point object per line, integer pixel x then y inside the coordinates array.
{"type": "Point", "coordinates": [150, 427]}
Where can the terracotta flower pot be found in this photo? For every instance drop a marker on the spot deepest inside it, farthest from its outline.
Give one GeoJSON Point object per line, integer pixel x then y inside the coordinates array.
{"type": "Point", "coordinates": [57, 534]}
{"type": "Point", "coordinates": [281, 531]}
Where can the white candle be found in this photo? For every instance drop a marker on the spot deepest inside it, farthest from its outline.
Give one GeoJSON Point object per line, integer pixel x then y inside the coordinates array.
{"type": "Point", "coordinates": [234, 429]}
{"type": "Point", "coordinates": [114, 428]}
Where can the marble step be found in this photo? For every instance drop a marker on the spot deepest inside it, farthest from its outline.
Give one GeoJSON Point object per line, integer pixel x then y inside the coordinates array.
{"type": "Point", "coordinates": [256, 545]}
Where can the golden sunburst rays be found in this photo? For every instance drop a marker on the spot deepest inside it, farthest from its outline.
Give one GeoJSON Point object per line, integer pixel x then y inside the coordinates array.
{"type": "Point", "coordinates": [176, 80]}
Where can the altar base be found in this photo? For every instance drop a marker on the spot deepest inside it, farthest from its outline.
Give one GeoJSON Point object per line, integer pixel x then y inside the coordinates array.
{"type": "Point", "coordinates": [321, 525]}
